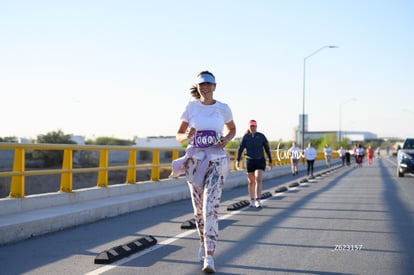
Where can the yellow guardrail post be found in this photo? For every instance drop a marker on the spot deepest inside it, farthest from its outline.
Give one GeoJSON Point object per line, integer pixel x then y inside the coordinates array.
{"type": "Point", "coordinates": [320, 156]}
{"type": "Point", "coordinates": [66, 177]}
{"type": "Point", "coordinates": [174, 154]}
{"type": "Point", "coordinates": [286, 159]}
{"type": "Point", "coordinates": [273, 153]}
{"type": "Point", "coordinates": [155, 171]}
{"type": "Point", "coordinates": [243, 161]}
{"type": "Point", "coordinates": [234, 160]}
{"type": "Point", "coordinates": [103, 164]}
{"type": "Point", "coordinates": [17, 183]}
{"type": "Point", "coordinates": [132, 172]}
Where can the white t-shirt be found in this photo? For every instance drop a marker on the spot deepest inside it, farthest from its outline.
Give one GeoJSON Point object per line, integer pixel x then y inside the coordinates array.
{"type": "Point", "coordinates": [294, 152]}
{"type": "Point", "coordinates": [310, 153]}
{"type": "Point", "coordinates": [207, 117]}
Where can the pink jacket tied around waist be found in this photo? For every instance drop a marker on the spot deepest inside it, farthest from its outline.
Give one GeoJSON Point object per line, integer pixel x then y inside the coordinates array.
{"type": "Point", "coordinates": [204, 154]}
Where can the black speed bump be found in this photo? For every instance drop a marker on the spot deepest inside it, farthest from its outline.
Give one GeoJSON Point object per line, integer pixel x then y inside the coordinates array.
{"type": "Point", "coordinates": [244, 203]}
{"type": "Point", "coordinates": [238, 205]}
{"type": "Point", "coordinates": [293, 184]}
{"type": "Point", "coordinates": [190, 224]}
{"type": "Point", "coordinates": [118, 252]}
{"type": "Point", "coordinates": [266, 195]}
{"type": "Point", "coordinates": [281, 189]}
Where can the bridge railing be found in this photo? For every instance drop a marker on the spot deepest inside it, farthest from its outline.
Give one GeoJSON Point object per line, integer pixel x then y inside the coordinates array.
{"type": "Point", "coordinates": [18, 171]}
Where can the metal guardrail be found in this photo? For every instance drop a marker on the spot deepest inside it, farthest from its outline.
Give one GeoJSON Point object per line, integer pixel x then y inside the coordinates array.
{"type": "Point", "coordinates": [18, 173]}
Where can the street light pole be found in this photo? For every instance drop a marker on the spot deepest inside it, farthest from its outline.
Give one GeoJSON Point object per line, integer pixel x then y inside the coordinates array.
{"type": "Point", "coordinates": [303, 97]}
{"type": "Point", "coordinates": [340, 117]}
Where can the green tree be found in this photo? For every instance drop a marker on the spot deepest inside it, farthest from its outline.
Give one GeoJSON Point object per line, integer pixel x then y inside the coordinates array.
{"type": "Point", "coordinates": [233, 144]}
{"type": "Point", "coordinates": [330, 139]}
{"type": "Point", "coordinates": [8, 139]}
{"type": "Point", "coordinates": [55, 137]}
{"type": "Point", "coordinates": [110, 141]}
{"type": "Point", "coordinates": [282, 145]}
{"type": "Point", "coordinates": [52, 157]}
{"type": "Point", "coordinates": [346, 142]}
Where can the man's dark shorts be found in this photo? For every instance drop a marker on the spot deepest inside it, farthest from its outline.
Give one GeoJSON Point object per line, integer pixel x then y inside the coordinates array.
{"type": "Point", "coordinates": [255, 164]}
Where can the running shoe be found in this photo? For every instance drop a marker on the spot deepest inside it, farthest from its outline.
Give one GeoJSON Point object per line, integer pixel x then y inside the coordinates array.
{"type": "Point", "coordinates": [257, 204]}
{"type": "Point", "coordinates": [251, 203]}
{"type": "Point", "coordinates": [209, 265]}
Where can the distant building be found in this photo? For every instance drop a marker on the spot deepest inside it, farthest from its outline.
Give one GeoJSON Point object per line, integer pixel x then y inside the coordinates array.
{"type": "Point", "coordinates": [23, 140]}
{"type": "Point", "coordinates": [80, 140]}
{"type": "Point", "coordinates": [158, 142]}
{"type": "Point", "coordinates": [353, 136]}
{"type": "Point", "coordinates": [359, 135]}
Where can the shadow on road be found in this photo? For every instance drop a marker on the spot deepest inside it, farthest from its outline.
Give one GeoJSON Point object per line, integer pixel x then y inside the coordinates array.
{"type": "Point", "coordinates": [402, 217]}
{"type": "Point", "coordinates": [266, 227]}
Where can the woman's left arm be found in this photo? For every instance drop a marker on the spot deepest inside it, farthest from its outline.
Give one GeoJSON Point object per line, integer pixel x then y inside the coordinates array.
{"type": "Point", "coordinates": [230, 132]}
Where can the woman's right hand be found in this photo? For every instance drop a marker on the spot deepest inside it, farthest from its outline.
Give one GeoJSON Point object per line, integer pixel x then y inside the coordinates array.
{"type": "Point", "coordinates": [185, 133]}
{"type": "Point", "coordinates": [190, 132]}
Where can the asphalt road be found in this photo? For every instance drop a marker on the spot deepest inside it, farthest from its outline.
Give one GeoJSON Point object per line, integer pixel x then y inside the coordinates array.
{"type": "Point", "coordinates": [349, 221]}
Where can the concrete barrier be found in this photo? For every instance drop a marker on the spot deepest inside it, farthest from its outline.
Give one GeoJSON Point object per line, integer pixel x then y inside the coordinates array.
{"type": "Point", "coordinates": [23, 218]}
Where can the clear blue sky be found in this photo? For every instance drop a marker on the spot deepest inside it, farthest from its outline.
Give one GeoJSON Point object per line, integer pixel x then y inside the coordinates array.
{"type": "Point", "coordinates": [124, 68]}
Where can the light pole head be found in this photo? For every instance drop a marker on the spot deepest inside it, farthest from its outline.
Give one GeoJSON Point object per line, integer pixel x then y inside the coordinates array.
{"type": "Point", "coordinates": [333, 47]}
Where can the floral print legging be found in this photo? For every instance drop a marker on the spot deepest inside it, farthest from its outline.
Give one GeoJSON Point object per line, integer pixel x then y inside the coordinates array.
{"type": "Point", "coordinates": [206, 198]}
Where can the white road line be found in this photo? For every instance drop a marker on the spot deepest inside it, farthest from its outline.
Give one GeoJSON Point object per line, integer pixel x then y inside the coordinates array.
{"type": "Point", "coordinates": [165, 242]}
{"type": "Point", "coordinates": [141, 253]}
{"type": "Point", "coordinates": [392, 162]}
